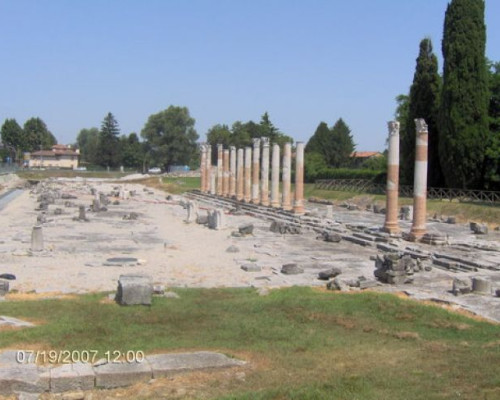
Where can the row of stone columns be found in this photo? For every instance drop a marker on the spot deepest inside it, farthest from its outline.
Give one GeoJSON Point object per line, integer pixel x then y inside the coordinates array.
{"type": "Point", "coordinates": [244, 174]}
{"type": "Point", "coordinates": [391, 225]}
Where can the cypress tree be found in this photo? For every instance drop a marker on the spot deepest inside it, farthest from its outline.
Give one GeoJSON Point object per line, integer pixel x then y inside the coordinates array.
{"type": "Point", "coordinates": [464, 98]}
{"type": "Point", "coordinates": [423, 103]}
{"type": "Point", "coordinates": [108, 142]}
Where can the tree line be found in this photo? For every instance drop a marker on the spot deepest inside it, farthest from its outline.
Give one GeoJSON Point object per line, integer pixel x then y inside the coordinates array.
{"type": "Point", "coordinates": [169, 138]}
{"type": "Point", "coordinates": [32, 136]}
{"type": "Point", "coordinates": [461, 107]}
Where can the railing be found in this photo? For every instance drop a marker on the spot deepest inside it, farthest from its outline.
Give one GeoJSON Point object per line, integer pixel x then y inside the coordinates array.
{"type": "Point", "coordinates": [367, 186]}
{"type": "Point", "coordinates": [8, 168]}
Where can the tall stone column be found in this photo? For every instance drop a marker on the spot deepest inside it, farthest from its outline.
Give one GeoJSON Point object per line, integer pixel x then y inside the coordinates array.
{"type": "Point", "coordinates": [420, 181]}
{"type": "Point", "coordinates": [264, 173]}
{"type": "Point", "coordinates": [248, 175]}
{"type": "Point", "coordinates": [391, 216]}
{"type": "Point", "coordinates": [255, 171]}
{"type": "Point", "coordinates": [298, 205]}
{"type": "Point", "coordinates": [232, 171]}
{"type": "Point", "coordinates": [203, 162]}
{"type": "Point", "coordinates": [240, 180]}
{"type": "Point", "coordinates": [225, 176]}
{"type": "Point", "coordinates": [208, 169]}
{"type": "Point", "coordinates": [275, 176]}
{"type": "Point", "coordinates": [213, 179]}
{"type": "Point", "coordinates": [287, 177]}
{"type": "Point", "coordinates": [220, 156]}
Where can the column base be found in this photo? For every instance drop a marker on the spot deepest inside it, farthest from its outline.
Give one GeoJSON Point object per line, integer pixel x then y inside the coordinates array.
{"type": "Point", "coordinates": [392, 229]}
{"type": "Point", "coordinates": [275, 204]}
{"type": "Point", "coordinates": [299, 210]}
{"type": "Point", "coordinates": [416, 234]}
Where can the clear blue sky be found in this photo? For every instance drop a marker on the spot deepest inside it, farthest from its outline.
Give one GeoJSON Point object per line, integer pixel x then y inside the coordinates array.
{"type": "Point", "coordinates": [70, 62]}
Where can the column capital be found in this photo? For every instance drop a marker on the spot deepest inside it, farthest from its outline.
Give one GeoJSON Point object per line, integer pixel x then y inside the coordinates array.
{"type": "Point", "coordinates": [256, 142]}
{"type": "Point", "coordinates": [421, 126]}
{"type": "Point", "coordinates": [393, 128]}
{"type": "Point", "coordinates": [265, 141]}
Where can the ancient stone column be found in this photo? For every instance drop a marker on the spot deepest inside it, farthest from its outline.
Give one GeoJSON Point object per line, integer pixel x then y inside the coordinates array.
{"type": "Point", "coordinates": [248, 175]}
{"type": "Point", "coordinates": [298, 205]}
{"type": "Point", "coordinates": [213, 183]}
{"type": "Point", "coordinates": [287, 177]}
{"type": "Point", "coordinates": [264, 173]}
{"type": "Point", "coordinates": [81, 213]}
{"type": "Point", "coordinates": [420, 181]}
{"type": "Point", "coordinates": [232, 171]}
{"type": "Point", "coordinates": [220, 156]}
{"type": "Point", "coordinates": [203, 162]}
{"type": "Point", "coordinates": [208, 168]}
{"type": "Point", "coordinates": [391, 216]}
{"type": "Point", "coordinates": [275, 176]}
{"type": "Point", "coordinates": [255, 171]}
{"type": "Point", "coordinates": [37, 238]}
{"type": "Point", "coordinates": [240, 180]}
{"type": "Point", "coordinates": [225, 176]}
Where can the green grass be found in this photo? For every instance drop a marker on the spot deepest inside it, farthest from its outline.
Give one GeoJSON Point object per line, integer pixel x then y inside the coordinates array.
{"type": "Point", "coordinates": [302, 343]}
{"type": "Point", "coordinates": [35, 174]}
{"type": "Point", "coordinates": [463, 211]}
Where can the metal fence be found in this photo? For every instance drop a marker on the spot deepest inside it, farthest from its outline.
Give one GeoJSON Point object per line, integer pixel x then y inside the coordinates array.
{"type": "Point", "coordinates": [8, 168]}
{"type": "Point", "coordinates": [367, 186]}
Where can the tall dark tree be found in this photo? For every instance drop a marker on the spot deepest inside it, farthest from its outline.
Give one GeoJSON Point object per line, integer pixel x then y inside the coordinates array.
{"type": "Point", "coordinates": [268, 129]}
{"type": "Point", "coordinates": [171, 137]}
{"type": "Point", "coordinates": [464, 99]}
{"type": "Point", "coordinates": [343, 144]}
{"type": "Point", "coordinates": [108, 152]}
{"type": "Point", "coordinates": [423, 103]}
{"type": "Point", "coordinates": [335, 145]}
{"type": "Point", "coordinates": [492, 170]}
{"type": "Point", "coordinates": [37, 136]}
{"type": "Point", "coordinates": [88, 143]}
{"type": "Point", "coordinates": [13, 135]}
{"type": "Point", "coordinates": [321, 143]}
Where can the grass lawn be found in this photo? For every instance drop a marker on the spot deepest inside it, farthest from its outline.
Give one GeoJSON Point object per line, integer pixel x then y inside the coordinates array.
{"type": "Point", "coordinates": [301, 343]}
{"type": "Point", "coordinates": [462, 211]}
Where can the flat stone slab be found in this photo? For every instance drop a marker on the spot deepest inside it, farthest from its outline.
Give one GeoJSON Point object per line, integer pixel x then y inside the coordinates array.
{"type": "Point", "coordinates": [16, 376]}
{"type": "Point", "coordinates": [70, 377]}
{"type": "Point", "coordinates": [171, 364]}
{"type": "Point", "coordinates": [23, 378]}
{"type": "Point", "coordinates": [112, 375]}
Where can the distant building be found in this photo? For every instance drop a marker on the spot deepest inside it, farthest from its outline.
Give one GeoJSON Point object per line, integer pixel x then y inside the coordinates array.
{"type": "Point", "coordinates": [359, 157]}
{"type": "Point", "coordinates": [61, 156]}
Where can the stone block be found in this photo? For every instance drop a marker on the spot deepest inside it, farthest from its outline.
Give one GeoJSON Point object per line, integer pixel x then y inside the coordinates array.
{"type": "Point", "coordinates": [70, 377]}
{"type": "Point", "coordinates": [4, 287]}
{"type": "Point", "coordinates": [291, 269]}
{"type": "Point", "coordinates": [233, 249]}
{"type": "Point", "coordinates": [170, 364]}
{"type": "Point", "coordinates": [481, 285]}
{"type": "Point", "coordinates": [329, 273]}
{"type": "Point", "coordinates": [23, 378]}
{"type": "Point", "coordinates": [246, 229]}
{"type": "Point", "coordinates": [134, 290]}
{"type": "Point", "coordinates": [331, 237]}
{"type": "Point", "coordinates": [251, 268]}
{"type": "Point", "coordinates": [478, 229]}
{"type": "Point", "coordinates": [461, 286]}
{"type": "Point", "coordinates": [113, 375]}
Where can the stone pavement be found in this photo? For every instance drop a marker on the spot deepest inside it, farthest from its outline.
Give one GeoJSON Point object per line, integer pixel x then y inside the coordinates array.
{"type": "Point", "coordinates": [19, 375]}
